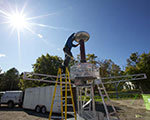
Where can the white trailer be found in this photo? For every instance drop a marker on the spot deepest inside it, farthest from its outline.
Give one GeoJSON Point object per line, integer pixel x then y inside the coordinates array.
{"type": "Point", "coordinates": [40, 98]}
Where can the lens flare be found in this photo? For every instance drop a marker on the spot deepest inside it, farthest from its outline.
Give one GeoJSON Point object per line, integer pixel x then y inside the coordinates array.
{"type": "Point", "coordinates": [18, 21]}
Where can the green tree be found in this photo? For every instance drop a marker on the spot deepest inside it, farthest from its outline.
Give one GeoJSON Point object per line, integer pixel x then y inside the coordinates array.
{"type": "Point", "coordinates": [91, 58]}
{"type": "Point", "coordinates": [1, 81]}
{"type": "Point", "coordinates": [46, 64]}
{"type": "Point", "coordinates": [139, 64]}
{"type": "Point", "coordinates": [9, 80]}
{"type": "Point", "coordinates": [108, 68]}
{"type": "Point", "coordinates": [133, 59]}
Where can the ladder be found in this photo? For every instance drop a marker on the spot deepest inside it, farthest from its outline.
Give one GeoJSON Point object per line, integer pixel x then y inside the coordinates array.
{"type": "Point", "coordinates": [104, 95]}
{"type": "Point", "coordinates": [66, 88]}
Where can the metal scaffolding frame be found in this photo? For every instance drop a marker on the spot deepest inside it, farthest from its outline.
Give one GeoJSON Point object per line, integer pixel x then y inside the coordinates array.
{"type": "Point", "coordinates": [82, 90]}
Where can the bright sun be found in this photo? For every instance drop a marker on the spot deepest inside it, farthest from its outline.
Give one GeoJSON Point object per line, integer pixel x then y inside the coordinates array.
{"type": "Point", "coordinates": [18, 21]}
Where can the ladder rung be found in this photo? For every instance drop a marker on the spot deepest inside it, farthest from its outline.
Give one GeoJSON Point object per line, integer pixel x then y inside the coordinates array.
{"type": "Point", "coordinates": [68, 105]}
{"type": "Point", "coordinates": [64, 89]}
{"type": "Point", "coordinates": [63, 74]}
{"type": "Point", "coordinates": [65, 86]}
{"type": "Point", "coordinates": [65, 83]}
{"type": "Point", "coordinates": [67, 97]}
{"type": "Point", "coordinates": [69, 112]}
{"type": "Point", "coordinates": [112, 113]}
{"type": "Point", "coordinates": [57, 117]}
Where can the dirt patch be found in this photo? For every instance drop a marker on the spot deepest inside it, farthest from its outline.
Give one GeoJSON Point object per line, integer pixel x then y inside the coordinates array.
{"type": "Point", "coordinates": [20, 114]}
{"type": "Point", "coordinates": [132, 110]}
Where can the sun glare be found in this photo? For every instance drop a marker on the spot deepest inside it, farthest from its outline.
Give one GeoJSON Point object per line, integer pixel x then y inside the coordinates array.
{"type": "Point", "coordinates": [18, 21]}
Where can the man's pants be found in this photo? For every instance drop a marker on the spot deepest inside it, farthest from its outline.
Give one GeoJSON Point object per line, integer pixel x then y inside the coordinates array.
{"type": "Point", "coordinates": [68, 56]}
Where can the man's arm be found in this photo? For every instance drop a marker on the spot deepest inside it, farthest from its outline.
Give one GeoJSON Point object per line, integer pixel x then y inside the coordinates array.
{"type": "Point", "coordinates": [73, 45]}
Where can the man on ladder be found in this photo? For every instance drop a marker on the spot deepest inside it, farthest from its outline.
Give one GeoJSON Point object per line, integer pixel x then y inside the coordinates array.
{"type": "Point", "coordinates": [67, 50]}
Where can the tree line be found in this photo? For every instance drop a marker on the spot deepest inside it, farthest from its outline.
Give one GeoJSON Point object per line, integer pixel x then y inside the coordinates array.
{"type": "Point", "coordinates": [47, 64]}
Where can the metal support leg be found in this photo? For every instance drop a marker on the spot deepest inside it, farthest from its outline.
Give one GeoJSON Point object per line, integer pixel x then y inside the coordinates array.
{"type": "Point", "coordinates": [93, 101]}
{"type": "Point", "coordinates": [116, 87]}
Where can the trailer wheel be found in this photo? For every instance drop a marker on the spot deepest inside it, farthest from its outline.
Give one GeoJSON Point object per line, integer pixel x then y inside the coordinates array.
{"type": "Point", "coordinates": [37, 109]}
{"type": "Point", "coordinates": [43, 109]}
{"type": "Point", "coordinates": [10, 104]}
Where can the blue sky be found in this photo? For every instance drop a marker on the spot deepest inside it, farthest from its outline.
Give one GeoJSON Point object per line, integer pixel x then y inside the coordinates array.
{"type": "Point", "coordinates": [117, 28]}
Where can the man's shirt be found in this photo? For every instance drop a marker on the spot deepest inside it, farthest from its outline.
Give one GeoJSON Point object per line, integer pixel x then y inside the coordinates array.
{"type": "Point", "coordinates": [69, 42]}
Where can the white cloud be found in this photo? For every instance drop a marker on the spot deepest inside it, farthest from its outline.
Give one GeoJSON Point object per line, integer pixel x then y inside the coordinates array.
{"type": "Point", "coordinates": [2, 55]}
{"type": "Point", "coordinates": [40, 36]}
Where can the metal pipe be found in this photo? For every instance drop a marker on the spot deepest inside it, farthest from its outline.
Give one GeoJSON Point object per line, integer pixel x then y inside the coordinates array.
{"type": "Point", "coordinates": [82, 51]}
